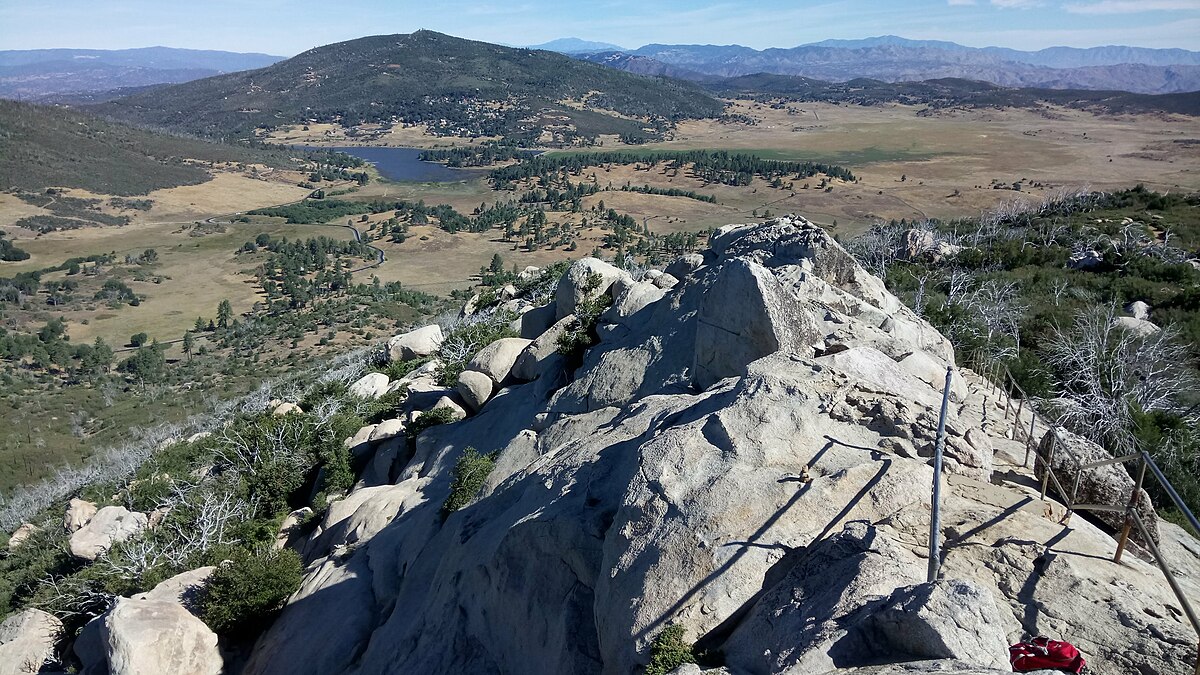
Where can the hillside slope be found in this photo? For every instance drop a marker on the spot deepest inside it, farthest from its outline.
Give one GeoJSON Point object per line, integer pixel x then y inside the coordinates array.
{"type": "Point", "coordinates": [45, 146]}
{"type": "Point", "coordinates": [947, 92]}
{"type": "Point", "coordinates": [455, 85]}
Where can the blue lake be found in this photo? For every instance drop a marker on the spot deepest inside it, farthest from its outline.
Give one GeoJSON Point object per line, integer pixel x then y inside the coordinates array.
{"type": "Point", "coordinates": [401, 164]}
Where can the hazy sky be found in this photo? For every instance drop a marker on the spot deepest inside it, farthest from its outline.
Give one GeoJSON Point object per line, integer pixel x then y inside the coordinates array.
{"type": "Point", "coordinates": [287, 28]}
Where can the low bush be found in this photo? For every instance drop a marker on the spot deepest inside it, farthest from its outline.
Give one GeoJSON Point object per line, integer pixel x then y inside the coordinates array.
{"type": "Point", "coordinates": [430, 418]}
{"type": "Point", "coordinates": [470, 471]}
{"type": "Point", "coordinates": [243, 595]}
{"type": "Point", "coordinates": [668, 651]}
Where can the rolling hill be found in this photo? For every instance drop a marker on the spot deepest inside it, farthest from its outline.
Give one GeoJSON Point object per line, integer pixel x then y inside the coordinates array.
{"type": "Point", "coordinates": [45, 146]}
{"type": "Point", "coordinates": [43, 74]}
{"type": "Point", "coordinates": [947, 92]}
{"type": "Point", "coordinates": [454, 85]}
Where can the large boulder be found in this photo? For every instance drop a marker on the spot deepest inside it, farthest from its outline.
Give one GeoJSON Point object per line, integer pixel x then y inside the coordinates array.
{"type": "Point", "coordinates": [415, 344]}
{"type": "Point", "coordinates": [1107, 485]}
{"type": "Point", "coordinates": [496, 360]}
{"type": "Point", "coordinates": [631, 300]}
{"type": "Point", "coordinates": [586, 279]}
{"type": "Point", "coordinates": [158, 636]}
{"type": "Point", "coordinates": [542, 353]}
{"type": "Point", "coordinates": [537, 320]}
{"type": "Point", "coordinates": [27, 641]}
{"type": "Point", "coordinates": [745, 316]}
{"type": "Point", "coordinates": [370, 386]}
{"type": "Point", "coordinates": [475, 388]}
{"type": "Point", "coordinates": [387, 429]}
{"type": "Point", "coordinates": [1138, 309]}
{"type": "Point", "coordinates": [1139, 327]}
{"type": "Point", "coordinates": [78, 513]}
{"type": "Point", "coordinates": [944, 619]}
{"type": "Point", "coordinates": [684, 265]}
{"type": "Point", "coordinates": [181, 588]}
{"type": "Point", "coordinates": [110, 525]}
{"type": "Point", "coordinates": [360, 443]}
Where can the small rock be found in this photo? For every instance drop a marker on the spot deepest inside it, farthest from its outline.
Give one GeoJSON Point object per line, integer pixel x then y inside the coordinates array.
{"type": "Point", "coordinates": [533, 360]}
{"type": "Point", "coordinates": [684, 265]}
{"type": "Point", "coordinates": [631, 300]}
{"type": "Point", "coordinates": [665, 281]}
{"type": "Point", "coordinates": [1139, 327]}
{"type": "Point", "coordinates": [181, 588]}
{"type": "Point", "coordinates": [290, 525]}
{"type": "Point", "coordinates": [20, 535]}
{"type": "Point", "coordinates": [360, 442]}
{"type": "Point", "coordinates": [1138, 310]}
{"type": "Point", "coordinates": [536, 321]}
{"type": "Point", "coordinates": [457, 411]}
{"type": "Point", "coordinates": [286, 409]}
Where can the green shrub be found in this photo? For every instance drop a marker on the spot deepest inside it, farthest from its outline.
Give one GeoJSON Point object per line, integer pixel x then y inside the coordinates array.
{"type": "Point", "coordinates": [668, 651]}
{"type": "Point", "coordinates": [430, 418]}
{"type": "Point", "coordinates": [470, 471]}
{"type": "Point", "coordinates": [243, 595]}
{"type": "Point", "coordinates": [398, 369]}
{"type": "Point", "coordinates": [581, 333]}
{"type": "Point", "coordinates": [384, 407]}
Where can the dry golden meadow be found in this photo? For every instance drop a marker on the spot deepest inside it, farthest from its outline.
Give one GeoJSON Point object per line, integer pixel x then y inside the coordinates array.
{"type": "Point", "coordinates": [909, 165]}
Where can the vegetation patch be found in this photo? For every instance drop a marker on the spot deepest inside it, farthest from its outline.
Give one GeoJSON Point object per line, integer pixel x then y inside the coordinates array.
{"type": "Point", "coordinates": [668, 651]}
{"type": "Point", "coordinates": [469, 474]}
{"type": "Point", "coordinates": [243, 595]}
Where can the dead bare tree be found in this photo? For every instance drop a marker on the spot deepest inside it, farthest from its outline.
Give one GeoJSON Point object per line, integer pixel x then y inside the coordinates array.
{"type": "Point", "coordinates": [1108, 372]}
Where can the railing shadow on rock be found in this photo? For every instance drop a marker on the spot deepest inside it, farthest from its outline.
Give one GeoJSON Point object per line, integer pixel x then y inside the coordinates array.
{"type": "Point", "coordinates": [1000, 382]}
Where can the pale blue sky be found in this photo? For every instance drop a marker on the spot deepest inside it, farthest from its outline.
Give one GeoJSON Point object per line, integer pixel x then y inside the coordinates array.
{"type": "Point", "coordinates": [288, 27]}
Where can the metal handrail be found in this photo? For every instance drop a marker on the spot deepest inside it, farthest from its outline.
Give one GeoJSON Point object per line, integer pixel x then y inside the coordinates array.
{"type": "Point", "coordinates": [1132, 519]}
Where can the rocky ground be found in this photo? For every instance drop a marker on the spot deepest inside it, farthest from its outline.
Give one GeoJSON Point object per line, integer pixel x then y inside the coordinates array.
{"type": "Point", "coordinates": [745, 453]}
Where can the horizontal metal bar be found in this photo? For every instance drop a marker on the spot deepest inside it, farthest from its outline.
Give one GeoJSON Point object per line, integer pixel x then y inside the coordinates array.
{"type": "Point", "coordinates": [1162, 563]}
{"type": "Point", "coordinates": [1099, 507]}
{"type": "Point", "coordinates": [1106, 462]}
{"type": "Point", "coordinates": [1061, 492]}
{"type": "Point", "coordinates": [1171, 491]}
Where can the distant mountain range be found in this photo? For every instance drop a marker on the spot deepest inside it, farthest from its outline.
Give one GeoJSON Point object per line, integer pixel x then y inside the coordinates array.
{"type": "Point", "coordinates": [455, 86]}
{"type": "Point", "coordinates": [574, 45]}
{"type": "Point", "coordinates": [895, 59]}
{"type": "Point", "coordinates": [48, 74]}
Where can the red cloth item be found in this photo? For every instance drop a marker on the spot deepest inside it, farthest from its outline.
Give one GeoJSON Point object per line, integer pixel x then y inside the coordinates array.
{"type": "Point", "coordinates": [1042, 653]}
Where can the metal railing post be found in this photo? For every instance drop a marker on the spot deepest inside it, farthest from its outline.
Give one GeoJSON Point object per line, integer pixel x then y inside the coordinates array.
{"type": "Point", "coordinates": [1029, 439]}
{"type": "Point", "coordinates": [935, 512]}
{"type": "Point", "coordinates": [1048, 462]}
{"type": "Point", "coordinates": [1129, 511]}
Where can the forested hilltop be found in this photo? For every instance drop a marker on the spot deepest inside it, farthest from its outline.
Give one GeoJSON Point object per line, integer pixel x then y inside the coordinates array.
{"type": "Point", "coordinates": [453, 85]}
